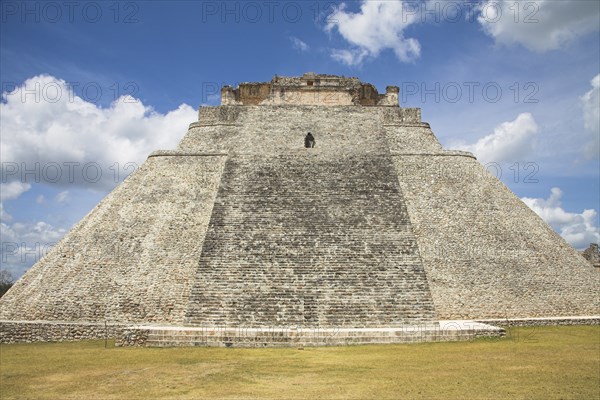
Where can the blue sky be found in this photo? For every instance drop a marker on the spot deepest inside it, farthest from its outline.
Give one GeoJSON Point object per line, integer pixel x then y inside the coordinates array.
{"type": "Point", "coordinates": [96, 86]}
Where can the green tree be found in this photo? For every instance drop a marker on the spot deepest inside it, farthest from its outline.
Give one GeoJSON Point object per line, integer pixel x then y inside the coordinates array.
{"type": "Point", "coordinates": [6, 281]}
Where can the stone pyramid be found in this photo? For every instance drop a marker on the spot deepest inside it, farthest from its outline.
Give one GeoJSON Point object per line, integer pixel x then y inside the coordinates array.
{"type": "Point", "coordinates": [376, 226]}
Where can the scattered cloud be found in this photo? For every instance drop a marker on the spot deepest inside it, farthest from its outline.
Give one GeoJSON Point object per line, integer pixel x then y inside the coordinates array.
{"type": "Point", "coordinates": [511, 141]}
{"type": "Point", "coordinates": [591, 113]}
{"type": "Point", "coordinates": [578, 229]}
{"type": "Point", "coordinates": [378, 26]}
{"type": "Point", "coordinates": [48, 129]}
{"type": "Point", "coordinates": [298, 44]}
{"type": "Point", "coordinates": [349, 57]}
{"type": "Point", "coordinates": [62, 197]}
{"type": "Point", "coordinates": [4, 216]}
{"type": "Point", "coordinates": [49, 135]}
{"type": "Point", "coordinates": [538, 25]}
{"type": "Point", "coordinates": [23, 244]}
{"type": "Point", "coordinates": [12, 190]}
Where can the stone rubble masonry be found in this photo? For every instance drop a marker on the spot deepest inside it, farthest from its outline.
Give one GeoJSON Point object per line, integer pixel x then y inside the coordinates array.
{"type": "Point", "coordinates": [592, 254]}
{"type": "Point", "coordinates": [486, 254]}
{"type": "Point", "coordinates": [309, 89]}
{"type": "Point", "coordinates": [54, 331]}
{"type": "Point", "coordinates": [376, 227]}
{"type": "Point", "coordinates": [273, 130]}
{"type": "Point", "coordinates": [547, 321]}
{"type": "Point", "coordinates": [133, 257]}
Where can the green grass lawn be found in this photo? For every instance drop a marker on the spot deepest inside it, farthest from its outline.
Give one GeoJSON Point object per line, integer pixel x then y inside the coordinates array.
{"type": "Point", "coordinates": [543, 363]}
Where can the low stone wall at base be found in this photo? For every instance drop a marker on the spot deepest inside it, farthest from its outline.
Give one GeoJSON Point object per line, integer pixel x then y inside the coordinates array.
{"type": "Point", "coordinates": [51, 331]}
{"type": "Point", "coordinates": [171, 336]}
{"type": "Point", "coordinates": [548, 321]}
{"type": "Point", "coordinates": [132, 336]}
{"type": "Point", "coordinates": [181, 336]}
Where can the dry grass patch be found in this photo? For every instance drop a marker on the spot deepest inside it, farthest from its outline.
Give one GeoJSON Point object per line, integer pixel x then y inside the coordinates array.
{"type": "Point", "coordinates": [544, 363]}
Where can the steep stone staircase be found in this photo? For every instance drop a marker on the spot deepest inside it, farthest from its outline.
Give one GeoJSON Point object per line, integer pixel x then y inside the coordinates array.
{"type": "Point", "coordinates": [312, 240]}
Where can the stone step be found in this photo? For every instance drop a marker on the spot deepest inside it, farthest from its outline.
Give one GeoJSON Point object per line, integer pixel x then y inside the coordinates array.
{"type": "Point", "coordinates": [153, 336]}
{"type": "Point", "coordinates": [296, 240]}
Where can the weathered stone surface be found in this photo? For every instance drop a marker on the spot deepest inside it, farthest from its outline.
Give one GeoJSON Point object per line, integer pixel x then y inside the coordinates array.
{"type": "Point", "coordinates": [541, 321]}
{"type": "Point", "coordinates": [486, 254]}
{"type": "Point", "coordinates": [309, 239]}
{"type": "Point", "coordinates": [53, 331]}
{"type": "Point", "coordinates": [309, 89]}
{"type": "Point", "coordinates": [133, 257]}
{"type": "Point", "coordinates": [275, 130]}
{"type": "Point", "coordinates": [157, 336]}
{"type": "Point", "coordinates": [592, 254]}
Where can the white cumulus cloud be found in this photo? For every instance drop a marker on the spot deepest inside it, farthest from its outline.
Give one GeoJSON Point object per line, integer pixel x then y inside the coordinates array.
{"type": "Point", "coordinates": [579, 229]}
{"type": "Point", "coordinates": [511, 141]}
{"type": "Point", "coordinates": [378, 26]}
{"type": "Point", "coordinates": [591, 113]}
{"type": "Point", "coordinates": [45, 125]}
{"type": "Point", "coordinates": [62, 197]}
{"type": "Point", "coordinates": [23, 244]}
{"type": "Point", "coordinates": [12, 190]}
{"type": "Point", "coordinates": [349, 57]}
{"type": "Point", "coordinates": [48, 131]}
{"type": "Point", "coordinates": [298, 44]}
{"type": "Point", "coordinates": [4, 216]}
{"type": "Point", "coordinates": [539, 25]}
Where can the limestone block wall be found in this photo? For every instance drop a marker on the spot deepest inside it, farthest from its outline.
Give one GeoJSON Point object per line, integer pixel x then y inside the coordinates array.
{"type": "Point", "coordinates": [402, 139]}
{"type": "Point", "coordinates": [275, 130]}
{"type": "Point", "coordinates": [486, 254]}
{"type": "Point", "coordinates": [133, 257]}
{"type": "Point", "coordinates": [592, 255]}
{"type": "Point", "coordinates": [309, 89]}
{"type": "Point", "coordinates": [322, 97]}
{"type": "Point", "coordinates": [51, 331]}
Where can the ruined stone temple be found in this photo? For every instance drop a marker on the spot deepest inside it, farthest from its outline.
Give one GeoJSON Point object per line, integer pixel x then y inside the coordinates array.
{"type": "Point", "coordinates": [242, 227]}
